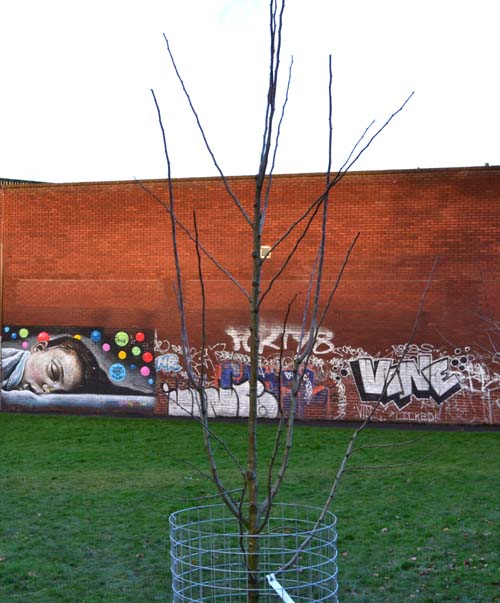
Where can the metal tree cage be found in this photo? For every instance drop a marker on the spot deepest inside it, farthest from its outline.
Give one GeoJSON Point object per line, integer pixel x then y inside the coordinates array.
{"type": "Point", "coordinates": [208, 559]}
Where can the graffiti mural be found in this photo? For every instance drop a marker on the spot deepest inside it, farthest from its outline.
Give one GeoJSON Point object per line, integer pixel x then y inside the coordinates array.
{"type": "Point", "coordinates": [77, 368]}
{"type": "Point", "coordinates": [416, 383]}
{"type": "Point", "coordinates": [131, 371]}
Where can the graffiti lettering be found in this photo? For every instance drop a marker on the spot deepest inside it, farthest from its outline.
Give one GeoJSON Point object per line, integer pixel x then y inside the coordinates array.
{"type": "Point", "coordinates": [161, 345]}
{"type": "Point", "coordinates": [274, 338]}
{"type": "Point", "coordinates": [383, 380]}
{"type": "Point", "coordinates": [413, 349]}
{"type": "Point", "coordinates": [233, 402]}
{"type": "Point", "coordinates": [168, 363]}
{"type": "Point", "coordinates": [226, 355]}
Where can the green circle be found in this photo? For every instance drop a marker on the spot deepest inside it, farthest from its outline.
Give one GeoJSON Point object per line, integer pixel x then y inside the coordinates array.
{"type": "Point", "coordinates": [121, 338]}
{"type": "Point", "coordinates": [23, 333]}
{"type": "Point", "coordinates": [136, 350]}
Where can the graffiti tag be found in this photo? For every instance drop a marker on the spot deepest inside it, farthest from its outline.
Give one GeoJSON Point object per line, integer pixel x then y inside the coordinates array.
{"type": "Point", "coordinates": [423, 378]}
{"type": "Point", "coordinates": [275, 339]}
{"type": "Point", "coordinates": [168, 363]}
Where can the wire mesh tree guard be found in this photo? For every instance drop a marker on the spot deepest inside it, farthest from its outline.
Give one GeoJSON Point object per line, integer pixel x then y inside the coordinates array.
{"type": "Point", "coordinates": [208, 558]}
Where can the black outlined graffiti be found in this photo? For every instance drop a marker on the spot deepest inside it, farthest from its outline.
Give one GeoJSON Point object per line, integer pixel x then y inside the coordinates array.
{"type": "Point", "coordinates": [423, 378]}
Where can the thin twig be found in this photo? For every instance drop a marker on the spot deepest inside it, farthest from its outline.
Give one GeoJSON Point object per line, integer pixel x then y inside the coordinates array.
{"type": "Point", "coordinates": [276, 145]}
{"type": "Point", "coordinates": [314, 206]}
{"type": "Point", "coordinates": [226, 497]}
{"type": "Point", "coordinates": [358, 431]}
{"type": "Point", "coordinates": [266, 509]}
{"type": "Point", "coordinates": [346, 167]}
{"type": "Point", "coordinates": [300, 361]}
{"type": "Point", "coordinates": [313, 210]}
{"type": "Point", "coordinates": [205, 140]}
{"type": "Point", "coordinates": [192, 238]}
{"type": "Point", "coordinates": [331, 295]}
{"type": "Point", "coordinates": [213, 434]}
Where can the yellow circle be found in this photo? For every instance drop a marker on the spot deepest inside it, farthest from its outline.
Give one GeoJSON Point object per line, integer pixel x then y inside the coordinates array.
{"type": "Point", "coordinates": [122, 355]}
{"type": "Point", "coordinates": [77, 336]}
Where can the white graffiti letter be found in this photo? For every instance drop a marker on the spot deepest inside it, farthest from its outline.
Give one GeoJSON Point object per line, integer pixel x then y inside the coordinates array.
{"type": "Point", "coordinates": [324, 343]}
{"type": "Point", "coordinates": [240, 338]}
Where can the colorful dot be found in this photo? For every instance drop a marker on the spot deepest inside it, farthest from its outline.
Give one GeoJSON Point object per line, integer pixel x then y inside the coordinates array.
{"type": "Point", "coordinates": [117, 372]}
{"type": "Point", "coordinates": [139, 336]}
{"type": "Point", "coordinates": [25, 345]}
{"type": "Point", "coordinates": [136, 350]}
{"type": "Point", "coordinates": [151, 381]}
{"type": "Point", "coordinates": [43, 336]}
{"type": "Point", "coordinates": [77, 336]}
{"type": "Point", "coordinates": [145, 371]}
{"type": "Point", "coordinates": [122, 355]}
{"type": "Point", "coordinates": [147, 356]}
{"type": "Point", "coordinates": [13, 335]}
{"type": "Point", "coordinates": [95, 335]}
{"type": "Point", "coordinates": [6, 329]}
{"type": "Point", "coordinates": [133, 367]}
{"type": "Point", "coordinates": [121, 338]}
{"type": "Point", "coordinates": [23, 333]}
{"type": "Point", "coordinates": [106, 347]}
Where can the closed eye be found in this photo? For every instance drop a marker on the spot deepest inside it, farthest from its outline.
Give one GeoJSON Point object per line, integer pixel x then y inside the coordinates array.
{"type": "Point", "coordinates": [54, 371]}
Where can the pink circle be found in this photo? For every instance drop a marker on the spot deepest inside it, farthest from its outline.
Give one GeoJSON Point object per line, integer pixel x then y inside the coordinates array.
{"type": "Point", "coordinates": [25, 345]}
{"type": "Point", "coordinates": [106, 347]}
{"type": "Point", "coordinates": [145, 371]}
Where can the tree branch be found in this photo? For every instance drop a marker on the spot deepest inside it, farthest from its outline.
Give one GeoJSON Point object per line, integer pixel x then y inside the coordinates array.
{"type": "Point", "coordinates": [192, 238]}
{"type": "Point", "coordinates": [205, 140]}
{"type": "Point", "coordinates": [359, 430]}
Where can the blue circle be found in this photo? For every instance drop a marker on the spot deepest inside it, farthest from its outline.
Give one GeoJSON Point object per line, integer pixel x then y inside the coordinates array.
{"type": "Point", "coordinates": [151, 381]}
{"type": "Point", "coordinates": [95, 335]}
{"type": "Point", "coordinates": [6, 329]}
{"type": "Point", "coordinates": [13, 335]}
{"type": "Point", "coordinates": [117, 372]}
{"type": "Point", "coordinates": [133, 366]}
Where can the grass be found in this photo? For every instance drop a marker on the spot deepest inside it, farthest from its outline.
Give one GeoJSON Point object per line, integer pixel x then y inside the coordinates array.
{"type": "Point", "coordinates": [84, 505]}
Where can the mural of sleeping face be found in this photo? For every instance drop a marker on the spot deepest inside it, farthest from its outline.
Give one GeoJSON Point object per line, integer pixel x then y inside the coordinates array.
{"type": "Point", "coordinates": [58, 368]}
{"type": "Point", "coordinates": [69, 360]}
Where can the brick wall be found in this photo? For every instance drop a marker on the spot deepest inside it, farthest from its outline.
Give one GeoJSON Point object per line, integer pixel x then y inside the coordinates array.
{"type": "Point", "coordinates": [100, 254]}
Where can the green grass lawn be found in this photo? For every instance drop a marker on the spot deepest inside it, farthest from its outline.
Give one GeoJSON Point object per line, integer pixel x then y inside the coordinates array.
{"type": "Point", "coordinates": [84, 505]}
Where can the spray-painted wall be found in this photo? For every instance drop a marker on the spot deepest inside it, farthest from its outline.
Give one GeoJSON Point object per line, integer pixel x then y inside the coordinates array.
{"type": "Point", "coordinates": [100, 254]}
{"type": "Point", "coordinates": [430, 384]}
{"type": "Point", "coordinates": [77, 369]}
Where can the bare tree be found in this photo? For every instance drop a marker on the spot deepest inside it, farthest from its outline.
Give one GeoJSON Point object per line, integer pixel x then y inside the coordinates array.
{"type": "Point", "coordinates": [250, 505]}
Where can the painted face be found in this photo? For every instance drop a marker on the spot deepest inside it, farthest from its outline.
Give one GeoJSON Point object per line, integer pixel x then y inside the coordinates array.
{"type": "Point", "coordinates": [51, 370]}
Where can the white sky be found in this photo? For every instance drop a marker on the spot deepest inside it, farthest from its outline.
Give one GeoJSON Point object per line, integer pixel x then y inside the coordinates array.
{"type": "Point", "coordinates": [75, 80]}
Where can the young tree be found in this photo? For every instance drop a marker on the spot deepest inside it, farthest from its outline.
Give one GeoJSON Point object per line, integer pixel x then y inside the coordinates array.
{"type": "Point", "coordinates": [252, 506]}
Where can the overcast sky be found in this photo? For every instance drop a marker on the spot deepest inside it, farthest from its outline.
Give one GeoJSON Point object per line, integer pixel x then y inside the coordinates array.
{"type": "Point", "coordinates": [75, 80]}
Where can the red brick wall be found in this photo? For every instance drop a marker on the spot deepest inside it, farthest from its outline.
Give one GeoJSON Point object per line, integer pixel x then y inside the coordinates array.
{"type": "Point", "coordinates": [100, 254]}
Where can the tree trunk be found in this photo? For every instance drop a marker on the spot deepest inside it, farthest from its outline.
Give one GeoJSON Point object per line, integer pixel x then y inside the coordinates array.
{"type": "Point", "coordinates": [251, 477]}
